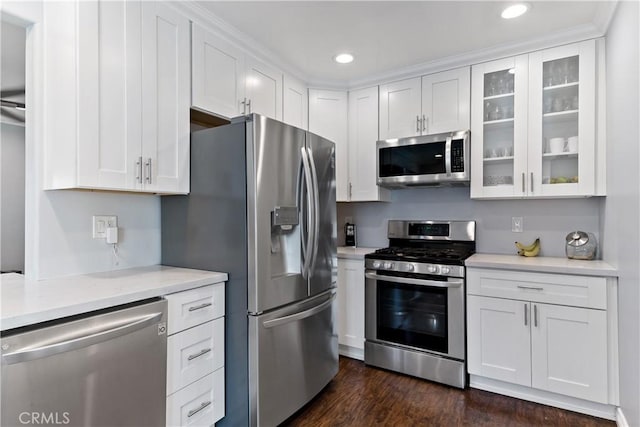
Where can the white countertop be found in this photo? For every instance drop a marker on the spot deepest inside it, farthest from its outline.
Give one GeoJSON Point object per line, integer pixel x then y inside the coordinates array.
{"type": "Point", "coordinates": [27, 302]}
{"type": "Point", "coordinates": [350, 252]}
{"type": "Point", "coordinates": [542, 264]}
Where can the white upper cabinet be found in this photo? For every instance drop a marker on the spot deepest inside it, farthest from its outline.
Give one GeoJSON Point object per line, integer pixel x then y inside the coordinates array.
{"type": "Point", "coordinates": [363, 134]}
{"type": "Point", "coordinates": [130, 73]}
{"type": "Point", "coordinates": [110, 78]}
{"type": "Point", "coordinates": [263, 87]}
{"type": "Point", "coordinates": [165, 94]}
{"type": "Point", "coordinates": [400, 109]}
{"type": "Point", "coordinates": [446, 99]}
{"type": "Point", "coordinates": [295, 103]}
{"type": "Point", "coordinates": [328, 118]}
{"type": "Point", "coordinates": [435, 103]}
{"type": "Point", "coordinates": [562, 119]}
{"type": "Point", "coordinates": [499, 128]}
{"type": "Point", "coordinates": [217, 73]}
{"type": "Point", "coordinates": [533, 125]}
{"type": "Point", "coordinates": [228, 82]}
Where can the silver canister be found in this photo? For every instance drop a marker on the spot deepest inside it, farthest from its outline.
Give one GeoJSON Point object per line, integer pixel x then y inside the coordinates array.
{"type": "Point", "coordinates": [581, 245]}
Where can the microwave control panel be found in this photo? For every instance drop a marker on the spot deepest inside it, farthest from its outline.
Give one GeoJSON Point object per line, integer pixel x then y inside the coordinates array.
{"type": "Point", "coordinates": [457, 155]}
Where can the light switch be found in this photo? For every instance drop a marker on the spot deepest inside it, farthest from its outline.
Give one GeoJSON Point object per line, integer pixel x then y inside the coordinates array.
{"type": "Point", "coordinates": [101, 223]}
{"type": "Point", "coordinates": [517, 224]}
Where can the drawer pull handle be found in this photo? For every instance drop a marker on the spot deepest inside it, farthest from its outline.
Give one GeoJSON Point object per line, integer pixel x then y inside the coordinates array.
{"type": "Point", "coordinates": [535, 316]}
{"type": "Point", "coordinates": [525, 314]}
{"type": "Point", "coordinates": [195, 411]}
{"type": "Point", "coordinates": [201, 306]}
{"type": "Point", "coordinates": [200, 353]}
{"type": "Point", "coordinates": [531, 288]}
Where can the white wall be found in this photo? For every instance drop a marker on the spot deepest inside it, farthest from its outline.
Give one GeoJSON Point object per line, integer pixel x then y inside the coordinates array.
{"type": "Point", "coordinates": [12, 197]}
{"type": "Point", "coordinates": [65, 244]}
{"type": "Point", "coordinates": [58, 224]}
{"type": "Point", "coordinates": [621, 210]}
{"type": "Point", "coordinates": [550, 220]}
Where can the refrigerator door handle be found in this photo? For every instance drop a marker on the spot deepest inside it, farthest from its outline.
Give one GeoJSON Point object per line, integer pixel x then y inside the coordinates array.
{"type": "Point", "coordinates": [310, 214]}
{"type": "Point", "coordinates": [299, 316]}
{"type": "Point", "coordinates": [316, 212]}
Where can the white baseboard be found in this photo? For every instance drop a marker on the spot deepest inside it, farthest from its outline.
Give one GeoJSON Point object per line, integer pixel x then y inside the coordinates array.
{"type": "Point", "coordinates": [600, 410]}
{"type": "Point", "coordinates": [352, 352]}
{"type": "Point", "coordinates": [621, 420]}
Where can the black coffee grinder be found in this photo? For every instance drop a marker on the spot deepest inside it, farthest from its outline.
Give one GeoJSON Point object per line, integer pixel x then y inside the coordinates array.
{"type": "Point", "coordinates": [349, 234]}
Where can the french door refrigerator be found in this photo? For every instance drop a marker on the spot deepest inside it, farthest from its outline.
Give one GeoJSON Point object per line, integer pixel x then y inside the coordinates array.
{"type": "Point", "coordinates": [262, 208]}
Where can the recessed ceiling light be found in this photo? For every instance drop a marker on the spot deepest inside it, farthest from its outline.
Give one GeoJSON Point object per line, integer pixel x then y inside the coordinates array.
{"type": "Point", "coordinates": [514, 10]}
{"type": "Point", "coordinates": [343, 58]}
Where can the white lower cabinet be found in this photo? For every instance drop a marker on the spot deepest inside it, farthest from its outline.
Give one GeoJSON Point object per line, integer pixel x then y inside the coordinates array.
{"type": "Point", "coordinates": [498, 339]}
{"type": "Point", "coordinates": [351, 307]}
{"type": "Point", "coordinates": [200, 404]}
{"type": "Point", "coordinates": [519, 336]}
{"type": "Point", "coordinates": [195, 357]}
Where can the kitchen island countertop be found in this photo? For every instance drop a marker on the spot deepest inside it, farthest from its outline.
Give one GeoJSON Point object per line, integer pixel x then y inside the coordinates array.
{"type": "Point", "coordinates": [542, 264]}
{"type": "Point", "coordinates": [26, 302]}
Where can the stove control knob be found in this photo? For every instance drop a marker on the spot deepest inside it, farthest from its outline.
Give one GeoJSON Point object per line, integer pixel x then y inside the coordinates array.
{"type": "Point", "coordinates": [388, 265]}
{"type": "Point", "coordinates": [410, 267]}
{"type": "Point", "coordinates": [445, 270]}
{"type": "Point", "coordinates": [376, 264]}
{"type": "Point", "coordinates": [432, 269]}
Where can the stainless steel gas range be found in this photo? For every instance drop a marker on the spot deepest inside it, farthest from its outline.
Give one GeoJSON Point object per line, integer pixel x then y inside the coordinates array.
{"type": "Point", "coordinates": [415, 300]}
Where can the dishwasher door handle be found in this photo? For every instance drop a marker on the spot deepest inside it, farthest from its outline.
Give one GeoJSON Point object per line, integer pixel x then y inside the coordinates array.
{"type": "Point", "coordinates": [115, 330]}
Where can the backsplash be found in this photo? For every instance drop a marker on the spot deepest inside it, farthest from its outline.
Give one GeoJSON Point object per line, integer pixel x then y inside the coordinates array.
{"type": "Point", "coordinates": [550, 220]}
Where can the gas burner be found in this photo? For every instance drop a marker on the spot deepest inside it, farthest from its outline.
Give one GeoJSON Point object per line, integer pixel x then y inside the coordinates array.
{"type": "Point", "coordinates": [444, 242]}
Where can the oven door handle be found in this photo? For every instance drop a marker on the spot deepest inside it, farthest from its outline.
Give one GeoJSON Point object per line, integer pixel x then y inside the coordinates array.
{"type": "Point", "coordinates": [412, 281]}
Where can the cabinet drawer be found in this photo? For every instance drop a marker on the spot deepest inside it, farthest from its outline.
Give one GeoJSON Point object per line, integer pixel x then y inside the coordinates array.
{"type": "Point", "coordinates": [578, 291]}
{"type": "Point", "coordinates": [200, 404]}
{"type": "Point", "coordinates": [194, 353]}
{"type": "Point", "coordinates": [194, 307]}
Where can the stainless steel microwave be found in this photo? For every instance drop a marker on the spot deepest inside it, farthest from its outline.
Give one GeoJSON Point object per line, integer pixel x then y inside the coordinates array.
{"type": "Point", "coordinates": [429, 160]}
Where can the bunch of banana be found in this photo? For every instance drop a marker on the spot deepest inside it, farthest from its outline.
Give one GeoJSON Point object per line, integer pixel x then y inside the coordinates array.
{"type": "Point", "coordinates": [529, 250]}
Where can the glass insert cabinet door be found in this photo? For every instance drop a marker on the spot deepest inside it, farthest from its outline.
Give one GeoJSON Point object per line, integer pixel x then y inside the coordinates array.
{"type": "Point", "coordinates": [562, 120]}
{"type": "Point", "coordinates": [499, 120]}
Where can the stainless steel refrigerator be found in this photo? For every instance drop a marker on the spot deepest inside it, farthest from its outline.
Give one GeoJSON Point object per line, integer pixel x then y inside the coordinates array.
{"type": "Point", "coordinates": [262, 208]}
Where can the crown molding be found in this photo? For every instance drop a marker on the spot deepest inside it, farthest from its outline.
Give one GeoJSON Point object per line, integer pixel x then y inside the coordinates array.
{"type": "Point", "coordinates": [212, 22]}
{"type": "Point", "coordinates": [203, 16]}
{"type": "Point", "coordinates": [572, 35]}
{"type": "Point", "coordinates": [604, 15]}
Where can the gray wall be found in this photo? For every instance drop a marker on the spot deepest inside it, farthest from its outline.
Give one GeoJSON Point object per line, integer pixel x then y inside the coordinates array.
{"type": "Point", "coordinates": [621, 210]}
{"type": "Point", "coordinates": [12, 197]}
{"type": "Point", "coordinates": [550, 220]}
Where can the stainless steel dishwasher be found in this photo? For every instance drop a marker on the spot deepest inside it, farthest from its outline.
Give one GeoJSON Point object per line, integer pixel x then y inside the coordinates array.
{"type": "Point", "coordinates": [106, 368]}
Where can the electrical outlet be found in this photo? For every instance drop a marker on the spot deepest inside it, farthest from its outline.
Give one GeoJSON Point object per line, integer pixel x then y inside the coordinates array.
{"type": "Point", "coordinates": [101, 223]}
{"type": "Point", "coordinates": [517, 224]}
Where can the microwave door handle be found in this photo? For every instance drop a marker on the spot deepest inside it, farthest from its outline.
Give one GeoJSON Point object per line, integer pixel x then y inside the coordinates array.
{"type": "Point", "coordinates": [412, 281]}
{"type": "Point", "coordinates": [447, 156]}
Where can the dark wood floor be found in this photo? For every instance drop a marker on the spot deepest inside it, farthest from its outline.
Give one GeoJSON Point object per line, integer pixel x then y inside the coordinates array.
{"type": "Point", "coordinates": [366, 396]}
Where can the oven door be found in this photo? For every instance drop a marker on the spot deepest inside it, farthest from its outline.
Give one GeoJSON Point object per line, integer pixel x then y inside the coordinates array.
{"type": "Point", "coordinates": [416, 313]}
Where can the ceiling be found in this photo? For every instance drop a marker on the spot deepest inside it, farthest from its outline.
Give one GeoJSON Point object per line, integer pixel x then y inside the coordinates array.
{"type": "Point", "coordinates": [12, 70]}
{"type": "Point", "coordinates": [391, 35]}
